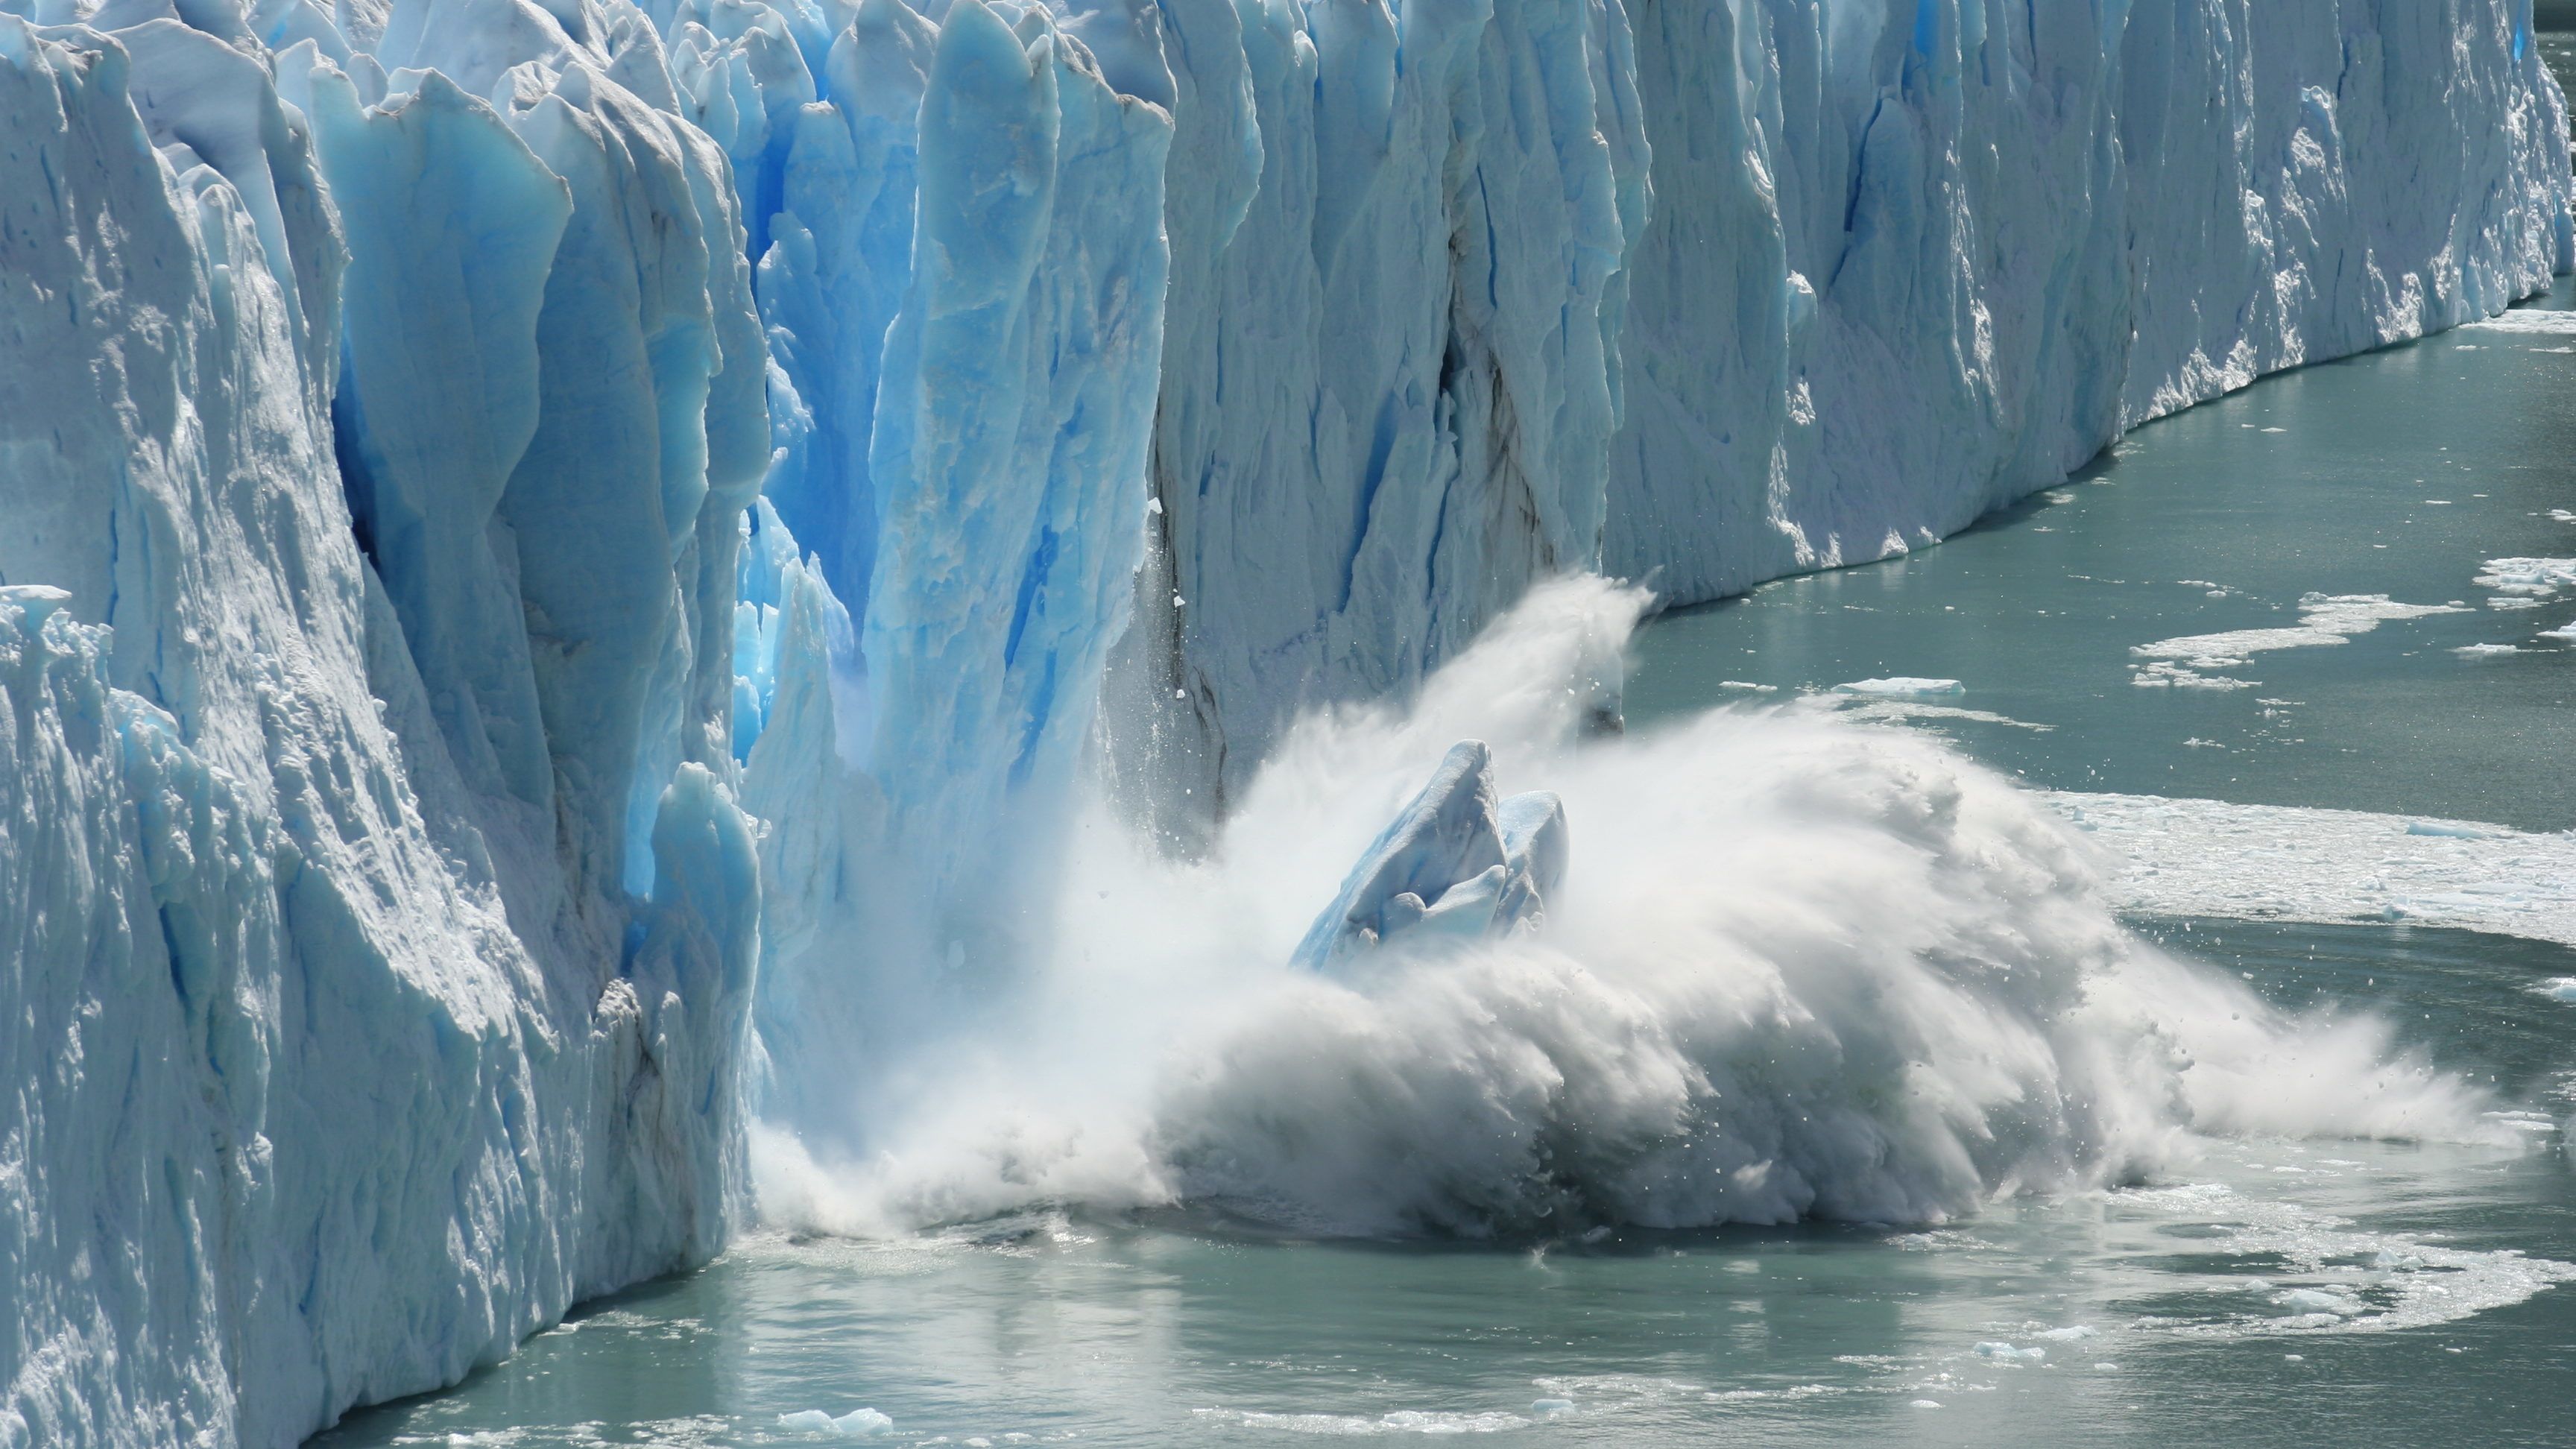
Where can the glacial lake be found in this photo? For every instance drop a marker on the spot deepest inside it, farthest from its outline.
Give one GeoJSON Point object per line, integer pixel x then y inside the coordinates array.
{"type": "Point", "coordinates": [2270, 1292]}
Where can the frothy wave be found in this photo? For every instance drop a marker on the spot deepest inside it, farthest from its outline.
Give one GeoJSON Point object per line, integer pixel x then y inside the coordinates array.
{"type": "Point", "coordinates": [1799, 967]}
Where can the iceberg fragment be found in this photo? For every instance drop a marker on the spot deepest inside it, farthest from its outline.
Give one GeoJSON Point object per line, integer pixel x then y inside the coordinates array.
{"type": "Point", "coordinates": [1455, 862]}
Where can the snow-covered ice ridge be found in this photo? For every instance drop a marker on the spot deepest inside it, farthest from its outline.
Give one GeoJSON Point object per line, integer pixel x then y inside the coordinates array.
{"type": "Point", "coordinates": [395, 685]}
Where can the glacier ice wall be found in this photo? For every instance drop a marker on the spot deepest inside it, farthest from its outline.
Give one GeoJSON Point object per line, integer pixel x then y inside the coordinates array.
{"type": "Point", "coordinates": [1909, 263]}
{"type": "Point", "coordinates": [963, 285]}
{"type": "Point", "coordinates": [378, 922]}
{"type": "Point", "coordinates": [1902, 262]}
{"type": "Point", "coordinates": [1400, 271]}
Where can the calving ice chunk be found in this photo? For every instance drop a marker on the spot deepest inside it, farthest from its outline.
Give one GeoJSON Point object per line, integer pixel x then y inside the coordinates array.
{"type": "Point", "coordinates": [1456, 863]}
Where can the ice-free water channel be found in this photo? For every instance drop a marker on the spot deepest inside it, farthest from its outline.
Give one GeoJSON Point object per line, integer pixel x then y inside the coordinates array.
{"type": "Point", "coordinates": [2348, 588]}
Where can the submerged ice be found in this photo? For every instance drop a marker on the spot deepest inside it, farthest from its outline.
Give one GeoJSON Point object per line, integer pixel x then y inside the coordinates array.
{"type": "Point", "coordinates": [574, 574]}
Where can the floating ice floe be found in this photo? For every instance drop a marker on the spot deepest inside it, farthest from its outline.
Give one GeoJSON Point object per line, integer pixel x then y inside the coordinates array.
{"type": "Point", "coordinates": [856, 1424]}
{"type": "Point", "coordinates": [2191, 661]}
{"type": "Point", "coordinates": [2535, 578]}
{"type": "Point", "coordinates": [2213, 858]}
{"type": "Point", "coordinates": [1903, 687]}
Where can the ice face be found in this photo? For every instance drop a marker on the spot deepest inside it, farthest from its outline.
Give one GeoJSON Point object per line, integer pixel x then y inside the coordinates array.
{"type": "Point", "coordinates": [1969, 243]}
{"type": "Point", "coordinates": [318, 839]}
{"type": "Point", "coordinates": [1399, 278]}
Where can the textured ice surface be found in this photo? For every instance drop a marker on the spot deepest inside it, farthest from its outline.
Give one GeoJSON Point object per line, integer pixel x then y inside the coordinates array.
{"type": "Point", "coordinates": [1966, 244]}
{"type": "Point", "coordinates": [377, 924]}
{"type": "Point", "coordinates": [1390, 377]}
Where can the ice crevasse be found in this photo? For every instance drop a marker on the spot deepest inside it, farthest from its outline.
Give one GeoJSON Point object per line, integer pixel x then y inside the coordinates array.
{"type": "Point", "coordinates": [526, 529]}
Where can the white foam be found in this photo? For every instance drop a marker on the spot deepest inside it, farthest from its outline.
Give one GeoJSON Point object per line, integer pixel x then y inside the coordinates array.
{"type": "Point", "coordinates": [1357, 1426]}
{"type": "Point", "coordinates": [2325, 1275]}
{"type": "Point", "coordinates": [2165, 674]}
{"type": "Point", "coordinates": [1900, 709]}
{"type": "Point", "coordinates": [1799, 968]}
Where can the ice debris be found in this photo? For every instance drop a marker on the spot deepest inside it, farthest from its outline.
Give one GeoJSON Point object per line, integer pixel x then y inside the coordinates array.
{"type": "Point", "coordinates": [856, 1424]}
{"type": "Point", "coordinates": [1903, 687]}
{"type": "Point", "coordinates": [1455, 863]}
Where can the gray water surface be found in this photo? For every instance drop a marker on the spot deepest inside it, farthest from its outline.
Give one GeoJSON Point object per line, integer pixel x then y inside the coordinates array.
{"type": "Point", "coordinates": [2160, 1315]}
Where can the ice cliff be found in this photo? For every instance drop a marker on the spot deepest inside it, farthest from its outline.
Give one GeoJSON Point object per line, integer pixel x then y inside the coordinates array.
{"type": "Point", "coordinates": [377, 924]}
{"type": "Point", "coordinates": [559, 562]}
{"type": "Point", "coordinates": [1904, 260]}
{"type": "Point", "coordinates": [1954, 254]}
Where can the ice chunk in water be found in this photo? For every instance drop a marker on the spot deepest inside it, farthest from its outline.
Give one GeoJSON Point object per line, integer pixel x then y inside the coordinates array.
{"type": "Point", "coordinates": [856, 1424]}
{"type": "Point", "coordinates": [1903, 687]}
{"type": "Point", "coordinates": [1454, 863]}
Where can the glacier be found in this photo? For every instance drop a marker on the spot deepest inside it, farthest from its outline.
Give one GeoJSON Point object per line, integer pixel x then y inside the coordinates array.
{"type": "Point", "coordinates": [566, 568]}
{"type": "Point", "coordinates": [1902, 263]}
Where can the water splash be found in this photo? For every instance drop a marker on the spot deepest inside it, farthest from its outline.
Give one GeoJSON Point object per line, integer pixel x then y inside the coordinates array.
{"type": "Point", "coordinates": [1798, 967]}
